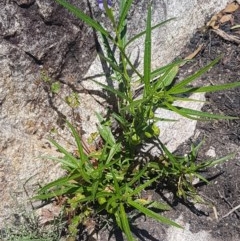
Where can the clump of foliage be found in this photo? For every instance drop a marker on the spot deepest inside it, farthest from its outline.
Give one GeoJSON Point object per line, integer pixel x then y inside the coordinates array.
{"type": "Point", "coordinates": [111, 178]}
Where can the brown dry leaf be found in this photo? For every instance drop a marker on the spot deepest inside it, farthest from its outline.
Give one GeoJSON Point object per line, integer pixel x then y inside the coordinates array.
{"type": "Point", "coordinates": [231, 7]}
{"type": "Point", "coordinates": [213, 23]}
{"type": "Point", "coordinates": [226, 36]}
{"type": "Point", "coordinates": [193, 54]}
{"type": "Point", "coordinates": [226, 18]}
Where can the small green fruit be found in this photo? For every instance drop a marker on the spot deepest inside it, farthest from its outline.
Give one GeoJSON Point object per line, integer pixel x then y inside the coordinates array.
{"type": "Point", "coordinates": [151, 114]}
{"type": "Point", "coordinates": [102, 200]}
{"type": "Point", "coordinates": [136, 139]}
{"type": "Point", "coordinates": [148, 134]}
{"type": "Point", "coordinates": [156, 130]}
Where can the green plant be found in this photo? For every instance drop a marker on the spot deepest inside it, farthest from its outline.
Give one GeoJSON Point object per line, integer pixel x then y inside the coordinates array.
{"type": "Point", "coordinates": [101, 180]}
{"type": "Point", "coordinates": [111, 178]}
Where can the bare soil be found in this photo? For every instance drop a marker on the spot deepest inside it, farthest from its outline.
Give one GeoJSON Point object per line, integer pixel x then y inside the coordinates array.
{"type": "Point", "coordinates": [221, 136]}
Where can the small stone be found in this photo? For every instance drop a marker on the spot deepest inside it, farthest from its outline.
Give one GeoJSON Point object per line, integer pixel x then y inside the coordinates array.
{"type": "Point", "coordinates": [211, 152]}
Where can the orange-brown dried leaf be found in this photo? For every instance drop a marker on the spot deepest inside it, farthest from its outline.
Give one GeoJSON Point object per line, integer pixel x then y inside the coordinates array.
{"type": "Point", "coordinates": [226, 18]}
{"type": "Point", "coordinates": [231, 7]}
{"type": "Point", "coordinates": [213, 23]}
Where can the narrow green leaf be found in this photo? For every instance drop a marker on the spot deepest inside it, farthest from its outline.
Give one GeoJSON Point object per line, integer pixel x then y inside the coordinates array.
{"type": "Point", "coordinates": [159, 205]}
{"type": "Point", "coordinates": [193, 77]}
{"type": "Point", "coordinates": [143, 186]}
{"type": "Point", "coordinates": [206, 89]}
{"type": "Point", "coordinates": [113, 151]}
{"type": "Point", "coordinates": [76, 136]}
{"type": "Point", "coordinates": [169, 155]}
{"type": "Point", "coordinates": [55, 193]}
{"type": "Point", "coordinates": [112, 90]}
{"type": "Point", "coordinates": [130, 63]}
{"type": "Point", "coordinates": [152, 214]}
{"type": "Point", "coordinates": [203, 115]}
{"type": "Point", "coordinates": [125, 223]}
{"type": "Point", "coordinates": [124, 8]}
{"type": "Point", "coordinates": [147, 52]}
{"type": "Point", "coordinates": [159, 71]}
{"type": "Point", "coordinates": [74, 162]}
{"type": "Point", "coordinates": [60, 182]}
{"type": "Point", "coordinates": [105, 132]}
{"type": "Point", "coordinates": [178, 111]}
{"type": "Point", "coordinates": [120, 119]}
{"type": "Point", "coordinates": [94, 189]}
{"type": "Point", "coordinates": [134, 104]}
{"type": "Point", "coordinates": [137, 176]}
{"type": "Point", "coordinates": [109, 13]}
{"type": "Point", "coordinates": [64, 161]}
{"type": "Point", "coordinates": [84, 17]}
{"type": "Point", "coordinates": [215, 162]}
{"type": "Point", "coordinates": [167, 78]}
{"type": "Point", "coordinates": [201, 178]}
{"type": "Point", "coordinates": [144, 32]}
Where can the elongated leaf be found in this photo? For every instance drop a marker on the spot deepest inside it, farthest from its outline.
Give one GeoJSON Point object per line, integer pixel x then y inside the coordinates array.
{"type": "Point", "coordinates": [124, 8]}
{"type": "Point", "coordinates": [64, 161]}
{"type": "Point", "coordinates": [76, 136]}
{"type": "Point", "coordinates": [178, 111]}
{"type": "Point", "coordinates": [112, 90]}
{"type": "Point", "coordinates": [137, 176]}
{"type": "Point", "coordinates": [147, 52]}
{"type": "Point", "coordinates": [113, 151]}
{"type": "Point", "coordinates": [143, 186]}
{"type": "Point", "coordinates": [105, 132]}
{"type": "Point", "coordinates": [206, 89]}
{"type": "Point", "coordinates": [72, 160]}
{"type": "Point", "coordinates": [120, 119]}
{"type": "Point", "coordinates": [204, 115]}
{"type": "Point", "coordinates": [109, 13]}
{"type": "Point", "coordinates": [134, 104]}
{"type": "Point", "coordinates": [63, 181]}
{"type": "Point", "coordinates": [94, 189]}
{"type": "Point", "coordinates": [197, 115]}
{"type": "Point", "coordinates": [84, 17]}
{"type": "Point", "coordinates": [201, 178]}
{"type": "Point", "coordinates": [159, 205]}
{"type": "Point", "coordinates": [158, 72]}
{"type": "Point", "coordinates": [125, 223]}
{"type": "Point", "coordinates": [56, 193]}
{"type": "Point", "coordinates": [152, 214]}
{"type": "Point", "coordinates": [216, 162]}
{"type": "Point", "coordinates": [130, 63]}
{"type": "Point", "coordinates": [144, 32]}
{"type": "Point", "coordinates": [169, 155]}
{"type": "Point", "coordinates": [167, 78]}
{"type": "Point", "coordinates": [193, 77]}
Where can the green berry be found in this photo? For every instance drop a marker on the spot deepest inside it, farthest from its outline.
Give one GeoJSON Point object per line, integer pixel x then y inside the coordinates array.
{"type": "Point", "coordinates": [156, 130]}
{"type": "Point", "coordinates": [101, 200]}
{"type": "Point", "coordinates": [136, 139]}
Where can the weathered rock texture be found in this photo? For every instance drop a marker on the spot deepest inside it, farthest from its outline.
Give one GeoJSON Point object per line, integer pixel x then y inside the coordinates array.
{"type": "Point", "coordinates": [40, 43]}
